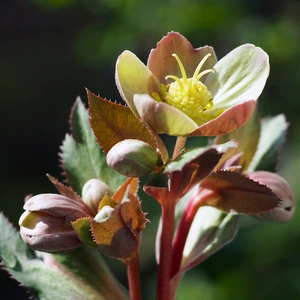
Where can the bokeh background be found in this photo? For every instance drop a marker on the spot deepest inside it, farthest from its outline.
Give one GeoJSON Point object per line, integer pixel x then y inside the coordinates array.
{"type": "Point", "coordinates": [51, 50]}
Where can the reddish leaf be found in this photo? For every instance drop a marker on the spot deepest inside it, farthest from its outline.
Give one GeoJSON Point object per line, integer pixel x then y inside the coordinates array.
{"type": "Point", "coordinates": [237, 193]}
{"type": "Point", "coordinates": [132, 214]}
{"type": "Point", "coordinates": [131, 185]}
{"type": "Point", "coordinates": [113, 237]}
{"type": "Point", "coordinates": [193, 172]}
{"type": "Point", "coordinates": [157, 187]}
{"type": "Point", "coordinates": [112, 123]}
{"type": "Point", "coordinates": [65, 190]}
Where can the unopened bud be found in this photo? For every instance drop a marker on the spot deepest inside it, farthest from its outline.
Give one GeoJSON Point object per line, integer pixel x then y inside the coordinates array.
{"type": "Point", "coordinates": [282, 190]}
{"type": "Point", "coordinates": [132, 158]}
{"type": "Point", "coordinates": [93, 192]}
{"type": "Point", "coordinates": [46, 223]}
{"type": "Point", "coordinates": [104, 213]}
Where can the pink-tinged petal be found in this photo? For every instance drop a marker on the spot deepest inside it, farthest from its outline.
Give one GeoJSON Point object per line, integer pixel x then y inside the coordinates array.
{"type": "Point", "coordinates": [47, 233]}
{"type": "Point", "coordinates": [162, 117]}
{"type": "Point", "coordinates": [283, 190]}
{"type": "Point", "coordinates": [162, 63]}
{"type": "Point", "coordinates": [133, 77]}
{"type": "Point", "coordinates": [57, 206]}
{"type": "Point", "coordinates": [239, 76]}
{"type": "Point", "coordinates": [231, 119]}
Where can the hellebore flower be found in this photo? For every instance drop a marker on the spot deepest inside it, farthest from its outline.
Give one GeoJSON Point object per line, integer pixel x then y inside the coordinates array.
{"type": "Point", "coordinates": [185, 92]}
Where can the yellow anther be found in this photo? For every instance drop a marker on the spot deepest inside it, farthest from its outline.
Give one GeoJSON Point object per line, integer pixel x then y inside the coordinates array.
{"type": "Point", "coordinates": [190, 95]}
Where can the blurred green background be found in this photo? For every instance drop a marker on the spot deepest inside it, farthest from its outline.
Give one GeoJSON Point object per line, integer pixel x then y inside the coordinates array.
{"type": "Point", "coordinates": [51, 50]}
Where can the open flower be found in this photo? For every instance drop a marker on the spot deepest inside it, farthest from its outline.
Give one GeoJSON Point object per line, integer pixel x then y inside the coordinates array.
{"type": "Point", "coordinates": [185, 92]}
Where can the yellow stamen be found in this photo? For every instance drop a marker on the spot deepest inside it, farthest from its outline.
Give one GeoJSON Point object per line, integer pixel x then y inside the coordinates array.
{"type": "Point", "coordinates": [189, 95]}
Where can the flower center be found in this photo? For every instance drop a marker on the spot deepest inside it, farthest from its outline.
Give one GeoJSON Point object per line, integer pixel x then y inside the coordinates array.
{"type": "Point", "coordinates": [189, 95]}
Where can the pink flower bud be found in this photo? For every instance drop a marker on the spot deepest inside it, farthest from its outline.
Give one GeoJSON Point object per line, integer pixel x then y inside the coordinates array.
{"type": "Point", "coordinates": [283, 190]}
{"type": "Point", "coordinates": [45, 225]}
{"type": "Point", "coordinates": [93, 191]}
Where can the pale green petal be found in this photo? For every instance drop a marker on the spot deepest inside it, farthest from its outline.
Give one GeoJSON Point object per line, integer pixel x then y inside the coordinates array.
{"type": "Point", "coordinates": [133, 77]}
{"type": "Point", "coordinates": [162, 117]}
{"type": "Point", "coordinates": [239, 76]}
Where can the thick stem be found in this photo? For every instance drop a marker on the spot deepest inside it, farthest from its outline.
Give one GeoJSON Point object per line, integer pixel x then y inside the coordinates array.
{"type": "Point", "coordinates": [180, 142]}
{"type": "Point", "coordinates": [184, 228]}
{"type": "Point", "coordinates": [133, 272]}
{"type": "Point", "coordinates": [163, 281]}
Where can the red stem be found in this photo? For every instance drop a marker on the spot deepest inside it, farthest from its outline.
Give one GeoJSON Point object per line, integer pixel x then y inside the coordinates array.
{"type": "Point", "coordinates": [163, 281]}
{"type": "Point", "coordinates": [133, 272]}
{"type": "Point", "coordinates": [184, 228]}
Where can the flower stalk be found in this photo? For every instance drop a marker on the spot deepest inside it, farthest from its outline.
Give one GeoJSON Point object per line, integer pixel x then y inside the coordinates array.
{"type": "Point", "coordinates": [133, 272]}
{"type": "Point", "coordinates": [184, 228]}
{"type": "Point", "coordinates": [165, 259]}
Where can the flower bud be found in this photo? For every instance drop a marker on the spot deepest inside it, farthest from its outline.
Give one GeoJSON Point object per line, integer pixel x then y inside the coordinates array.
{"type": "Point", "coordinates": [93, 191]}
{"type": "Point", "coordinates": [45, 224]}
{"type": "Point", "coordinates": [282, 190]}
{"type": "Point", "coordinates": [104, 213]}
{"type": "Point", "coordinates": [132, 158]}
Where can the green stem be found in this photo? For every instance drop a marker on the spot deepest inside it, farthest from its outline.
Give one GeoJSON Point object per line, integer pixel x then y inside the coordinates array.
{"type": "Point", "coordinates": [133, 272]}
{"type": "Point", "coordinates": [163, 281]}
{"type": "Point", "coordinates": [180, 142]}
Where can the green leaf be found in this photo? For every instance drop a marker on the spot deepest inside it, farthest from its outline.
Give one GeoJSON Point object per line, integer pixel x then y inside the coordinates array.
{"type": "Point", "coordinates": [247, 138]}
{"type": "Point", "coordinates": [79, 274]}
{"type": "Point", "coordinates": [82, 226]}
{"type": "Point", "coordinates": [82, 158]}
{"type": "Point", "coordinates": [272, 136]}
{"type": "Point", "coordinates": [210, 231]}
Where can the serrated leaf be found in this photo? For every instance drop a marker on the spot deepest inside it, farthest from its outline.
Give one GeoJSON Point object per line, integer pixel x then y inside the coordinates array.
{"type": "Point", "coordinates": [132, 214]}
{"type": "Point", "coordinates": [192, 166]}
{"type": "Point", "coordinates": [113, 237]}
{"type": "Point", "coordinates": [131, 185]}
{"type": "Point", "coordinates": [82, 226]}
{"type": "Point", "coordinates": [79, 274]}
{"type": "Point", "coordinates": [65, 190]}
{"type": "Point", "coordinates": [82, 158]}
{"type": "Point", "coordinates": [116, 227]}
{"type": "Point", "coordinates": [191, 155]}
{"type": "Point", "coordinates": [272, 136]}
{"type": "Point", "coordinates": [239, 194]}
{"type": "Point", "coordinates": [113, 123]}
